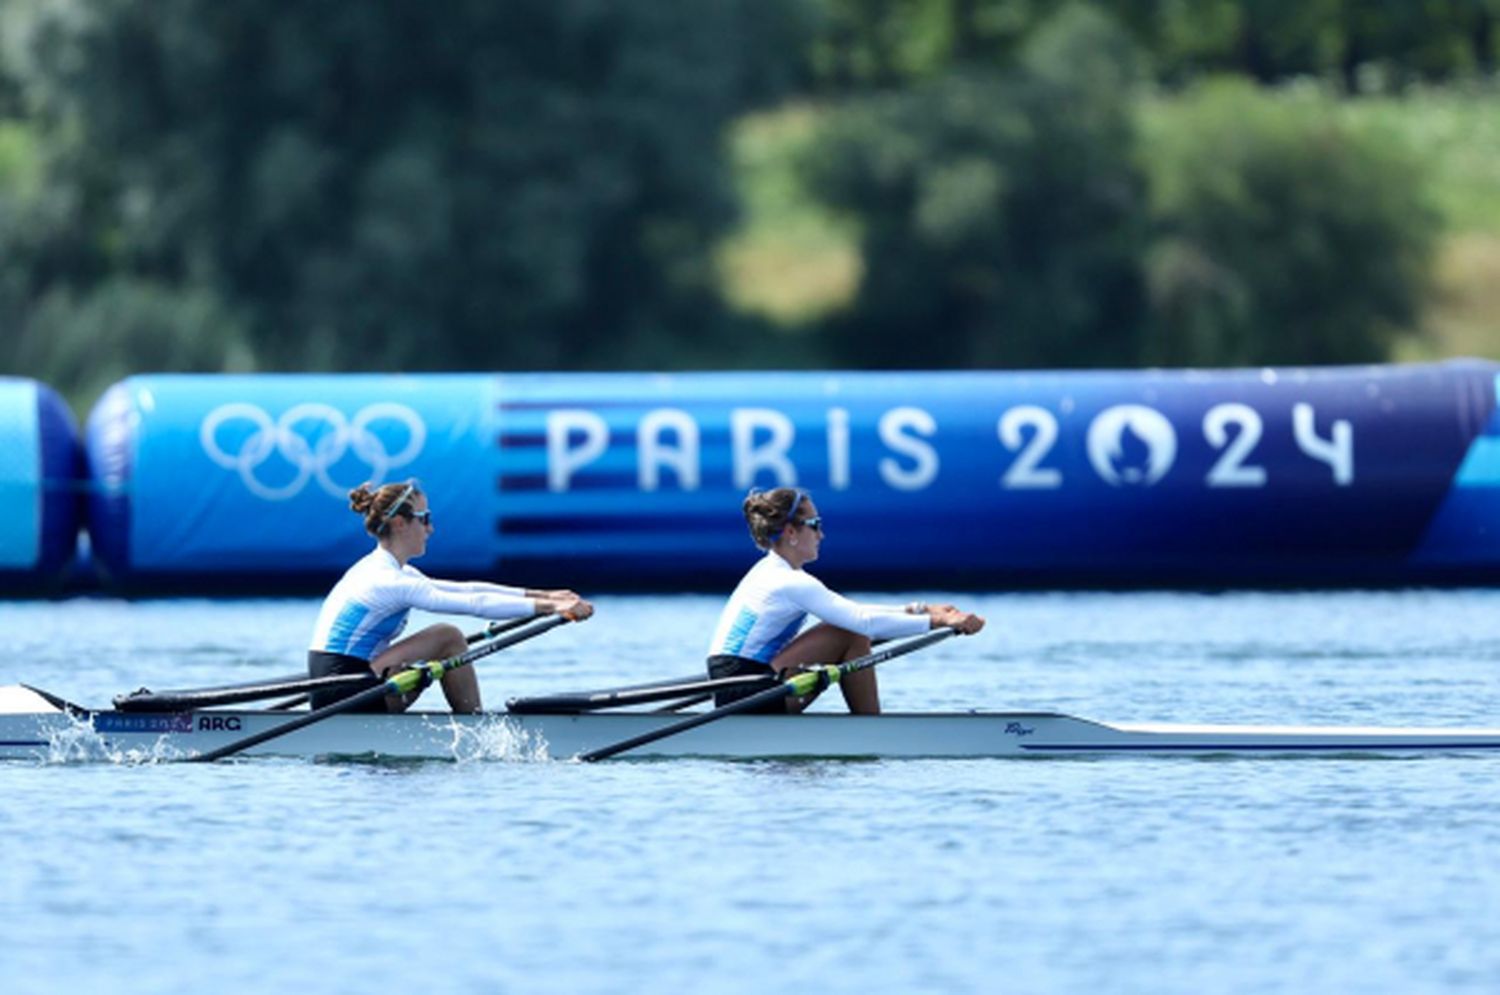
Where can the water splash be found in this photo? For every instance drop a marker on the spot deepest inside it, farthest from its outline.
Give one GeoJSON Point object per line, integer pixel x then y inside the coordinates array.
{"type": "Point", "coordinates": [497, 738]}
{"type": "Point", "coordinates": [78, 742]}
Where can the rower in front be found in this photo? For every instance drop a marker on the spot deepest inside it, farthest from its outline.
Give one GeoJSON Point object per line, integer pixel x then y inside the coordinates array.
{"type": "Point", "coordinates": [368, 607]}
{"type": "Point", "coordinates": [757, 631]}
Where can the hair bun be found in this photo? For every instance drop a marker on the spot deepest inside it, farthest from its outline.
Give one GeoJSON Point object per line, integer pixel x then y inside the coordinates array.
{"type": "Point", "coordinates": [767, 512]}
{"type": "Point", "coordinates": [361, 499]}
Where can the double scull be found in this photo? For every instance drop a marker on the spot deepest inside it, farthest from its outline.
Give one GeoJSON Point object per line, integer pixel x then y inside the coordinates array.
{"type": "Point", "coordinates": [36, 725]}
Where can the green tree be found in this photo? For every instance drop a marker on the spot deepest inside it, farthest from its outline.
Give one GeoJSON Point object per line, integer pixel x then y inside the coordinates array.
{"type": "Point", "coordinates": [861, 45]}
{"type": "Point", "coordinates": [1002, 214]}
{"type": "Point", "coordinates": [1284, 237]}
{"type": "Point", "coordinates": [536, 183]}
{"type": "Point", "coordinates": [1358, 43]}
{"type": "Point", "coordinates": [880, 44]}
{"type": "Point", "coordinates": [121, 326]}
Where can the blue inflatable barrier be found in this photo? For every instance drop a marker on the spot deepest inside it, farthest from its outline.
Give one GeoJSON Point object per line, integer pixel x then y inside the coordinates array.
{"type": "Point", "coordinates": [39, 487]}
{"type": "Point", "coordinates": [1368, 475]}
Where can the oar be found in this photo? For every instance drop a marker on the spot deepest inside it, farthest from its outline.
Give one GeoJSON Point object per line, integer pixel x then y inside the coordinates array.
{"type": "Point", "coordinates": [696, 687]}
{"type": "Point", "coordinates": [677, 706]}
{"type": "Point", "coordinates": [488, 632]}
{"type": "Point", "coordinates": [497, 628]}
{"type": "Point", "coordinates": [416, 676]}
{"type": "Point", "coordinates": [795, 686]}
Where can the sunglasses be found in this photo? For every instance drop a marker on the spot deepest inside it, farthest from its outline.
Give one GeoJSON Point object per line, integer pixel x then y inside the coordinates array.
{"type": "Point", "coordinates": [815, 523]}
{"type": "Point", "coordinates": [397, 505]}
{"type": "Point", "coordinates": [425, 517]}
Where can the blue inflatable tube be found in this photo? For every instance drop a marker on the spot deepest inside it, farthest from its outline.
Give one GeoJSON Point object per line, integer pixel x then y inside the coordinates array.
{"type": "Point", "coordinates": [1367, 475]}
{"type": "Point", "coordinates": [40, 462]}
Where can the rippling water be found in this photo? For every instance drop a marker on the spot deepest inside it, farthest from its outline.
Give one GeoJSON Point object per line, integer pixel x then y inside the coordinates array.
{"type": "Point", "coordinates": [1144, 874]}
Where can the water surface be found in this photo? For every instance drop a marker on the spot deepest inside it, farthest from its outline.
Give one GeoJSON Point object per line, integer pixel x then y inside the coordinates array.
{"type": "Point", "coordinates": [1143, 874]}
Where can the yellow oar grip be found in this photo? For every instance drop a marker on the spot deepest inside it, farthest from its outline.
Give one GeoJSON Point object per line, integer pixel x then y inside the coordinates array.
{"type": "Point", "coordinates": [809, 680]}
{"type": "Point", "coordinates": [416, 678]}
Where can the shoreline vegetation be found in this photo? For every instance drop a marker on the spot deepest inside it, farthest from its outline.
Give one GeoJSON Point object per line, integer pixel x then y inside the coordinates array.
{"type": "Point", "coordinates": [793, 262]}
{"type": "Point", "coordinates": [770, 184]}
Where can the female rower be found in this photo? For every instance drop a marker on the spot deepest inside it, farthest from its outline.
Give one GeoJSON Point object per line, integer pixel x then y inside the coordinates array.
{"type": "Point", "coordinates": [368, 607]}
{"type": "Point", "coordinates": [757, 631]}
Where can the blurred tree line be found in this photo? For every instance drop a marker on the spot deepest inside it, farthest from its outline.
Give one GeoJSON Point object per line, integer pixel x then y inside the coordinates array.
{"type": "Point", "coordinates": [541, 184]}
{"type": "Point", "coordinates": [1360, 44]}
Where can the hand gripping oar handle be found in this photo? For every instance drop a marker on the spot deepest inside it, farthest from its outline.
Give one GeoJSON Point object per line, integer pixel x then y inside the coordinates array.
{"type": "Point", "coordinates": [794, 686]}
{"type": "Point", "coordinates": [416, 676]}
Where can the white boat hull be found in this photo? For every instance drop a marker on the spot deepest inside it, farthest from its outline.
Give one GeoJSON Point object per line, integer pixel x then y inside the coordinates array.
{"type": "Point", "coordinates": [32, 728]}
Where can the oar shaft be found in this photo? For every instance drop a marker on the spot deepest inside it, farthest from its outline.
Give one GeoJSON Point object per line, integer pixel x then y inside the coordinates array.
{"type": "Point", "coordinates": [189, 699]}
{"type": "Point", "coordinates": [301, 721]}
{"type": "Point", "coordinates": [406, 680]}
{"type": "Point", "coordinates": [696, 687]}
{"type": "Point", "coordinates": [795, 686]}
{"type": "Point", "coordinates": [498, 629]}
{"type": "Point", "coordinates": [733, 708]}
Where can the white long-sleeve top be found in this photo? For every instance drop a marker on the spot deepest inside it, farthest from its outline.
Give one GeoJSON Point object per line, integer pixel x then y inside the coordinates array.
{"type": "Point", "coordinates": [772, 601]}
{"type": "Point", "coordinates": [368, 607]}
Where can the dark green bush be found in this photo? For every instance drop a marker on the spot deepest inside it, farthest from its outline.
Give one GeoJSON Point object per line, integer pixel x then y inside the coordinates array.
{"type": "Point", "coordinates": [1282, 236]}
{"type": "Point", "coordinates": [1003, 214]}
{"type": "Point", "coordinates": [87, 340]}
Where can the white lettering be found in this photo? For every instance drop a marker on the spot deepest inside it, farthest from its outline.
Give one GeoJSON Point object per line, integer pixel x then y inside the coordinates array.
{"type": "Point", "coordinates": [1023, 473]}
{"type": "Point", "coordinates": [750, 459]}
{"type": "Point", "coordinates": [893, 426]}
{"type": "Point", "coordinates": [838, 449]}
{"type": "Point", "coordinates": [562, 461]}
{"type": "Point", "coordinates": [1229, 470]}
{"type": "Point", "coordinates": [653, 453]}
{"type": "Point", "coordinates": [1337, 451]}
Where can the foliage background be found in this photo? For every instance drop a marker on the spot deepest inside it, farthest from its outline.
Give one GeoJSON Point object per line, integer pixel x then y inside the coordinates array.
{"type": "Point", "coordinates": [576, 184]}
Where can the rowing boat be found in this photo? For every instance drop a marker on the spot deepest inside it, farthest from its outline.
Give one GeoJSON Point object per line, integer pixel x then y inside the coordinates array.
{"type": "Point", "coordinates": [39, 726]}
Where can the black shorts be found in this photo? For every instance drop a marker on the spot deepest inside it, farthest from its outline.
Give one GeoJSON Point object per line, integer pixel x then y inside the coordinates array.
{"type": "Point", "coordinates": [324, 664]}
{"type": "Point", "coordinates": [724, 665]}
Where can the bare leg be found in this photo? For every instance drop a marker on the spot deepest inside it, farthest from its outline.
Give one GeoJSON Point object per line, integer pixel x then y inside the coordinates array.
{"type": "Point", "coordinates": [830, 644]}
{"type": "Point", "coordinates": [437, 642]}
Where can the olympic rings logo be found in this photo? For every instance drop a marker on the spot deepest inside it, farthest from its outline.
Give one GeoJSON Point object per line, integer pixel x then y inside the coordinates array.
{"type": "Point", "coordinates": [312, 439]}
